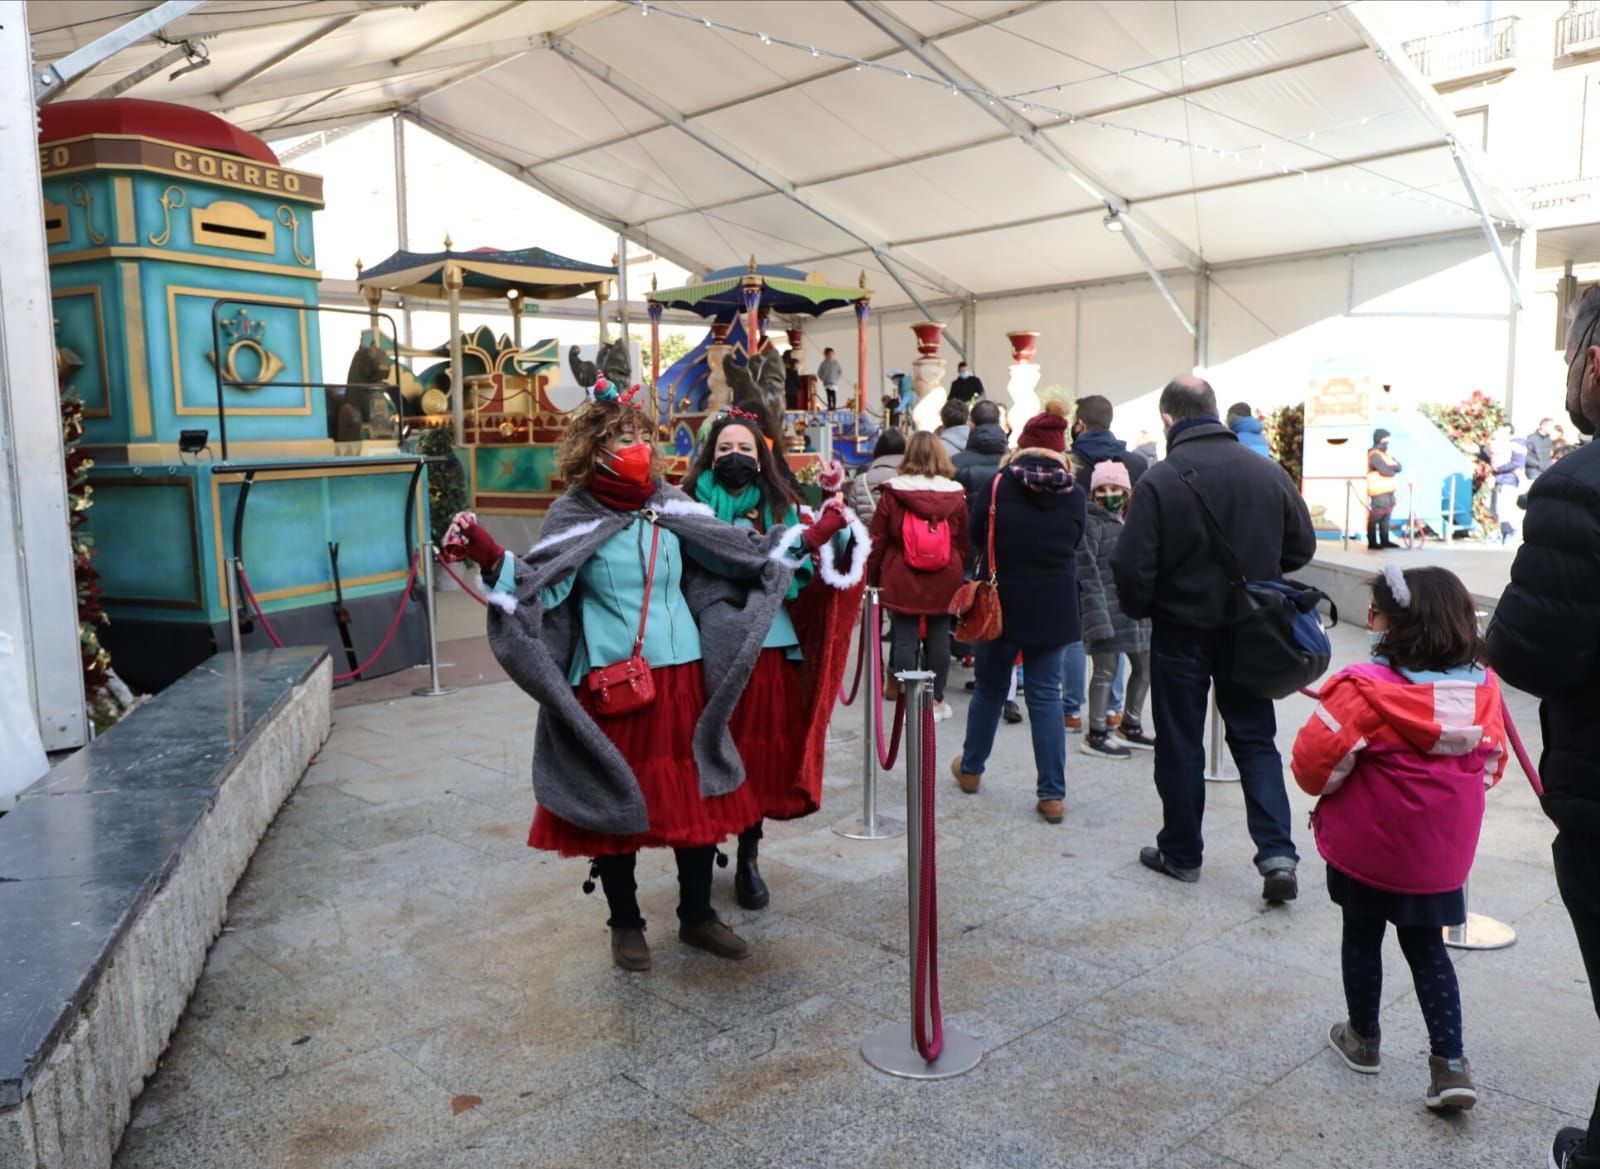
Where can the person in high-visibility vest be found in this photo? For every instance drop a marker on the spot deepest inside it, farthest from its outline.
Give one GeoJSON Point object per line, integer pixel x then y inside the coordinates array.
{"type": "Point", "coordinates": [1382, 467]}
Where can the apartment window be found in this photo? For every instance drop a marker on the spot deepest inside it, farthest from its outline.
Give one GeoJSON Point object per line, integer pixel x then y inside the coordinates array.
{"type": "Point", "coordinates": [1474, 126]}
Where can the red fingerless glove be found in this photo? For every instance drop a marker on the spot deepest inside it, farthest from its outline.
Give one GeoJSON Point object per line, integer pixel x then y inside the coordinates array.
{"type": "Point", "coordinates": [831, 477]}
{"type": "Point", "coordinates": [829, 524]}
{"type": "Point", "coordinates": [473, 542]}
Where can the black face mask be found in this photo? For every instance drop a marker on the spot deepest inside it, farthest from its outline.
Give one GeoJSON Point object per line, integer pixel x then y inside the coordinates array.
{"type": "Point", "coordinates": [736, 471]}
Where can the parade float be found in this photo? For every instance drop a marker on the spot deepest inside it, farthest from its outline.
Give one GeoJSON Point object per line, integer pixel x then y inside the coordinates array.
{"type": "Point", "coordinates": [239, 499]}
{"type": "Point", "coordinates": [740, 304]}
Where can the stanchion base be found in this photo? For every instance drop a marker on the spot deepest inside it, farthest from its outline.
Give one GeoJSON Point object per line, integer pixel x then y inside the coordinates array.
{"type": "Point", "coordinates": [1479, 933]}
{"type": "Point", "coordinates": [890, 1049]}
{"type": "Point", "coordinates": [834, 737]}
{"type": "Point", "coordinates": [886, 828]}
{"type": "Point", "coordinates": [431, 692]}
{"type": "Point", "coordinates": [1226, 775]}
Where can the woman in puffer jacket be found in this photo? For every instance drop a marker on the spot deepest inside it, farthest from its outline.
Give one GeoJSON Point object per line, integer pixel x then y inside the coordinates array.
{"type": "Point", "coordinates": [1401, 751]}
{"type": "Point", "coordinates": [887, 454]}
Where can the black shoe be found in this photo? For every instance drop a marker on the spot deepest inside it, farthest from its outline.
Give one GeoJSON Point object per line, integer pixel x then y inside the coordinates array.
{"type": "Point", "coordinates": [749, 890]}
{"type": "Point", "coordinates": [1567, 1148]}
{"type": "Point", "coordinates": [969, 686]}
{"type": "Point", "coordinates": [1152, 858]}
{"type": "Point", "coordinates": [1012, 713]}
{"type": "Point", "coordinates": [1279, 885]}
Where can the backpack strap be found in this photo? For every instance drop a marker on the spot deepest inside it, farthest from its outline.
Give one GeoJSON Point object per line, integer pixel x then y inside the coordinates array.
{"type": "Point", "coordinates": [1219, 542]}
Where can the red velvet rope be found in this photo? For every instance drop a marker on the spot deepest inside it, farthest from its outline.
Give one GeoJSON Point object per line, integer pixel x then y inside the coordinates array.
{"type": "Point", "coordinates": [861, 660]}
{"type": "Point", "coordinates": [928, 1021]}
{"type": "Point", "coordinates": [394, 625]}
{"type": "Point", "coordinates": [886, 761]}
{"type": "Point", "coordinates": [465, 586]}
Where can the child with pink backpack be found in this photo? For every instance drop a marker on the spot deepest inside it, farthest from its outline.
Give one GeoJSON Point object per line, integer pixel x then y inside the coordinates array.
{"type": "Point", "coordinates": [1401, 751]}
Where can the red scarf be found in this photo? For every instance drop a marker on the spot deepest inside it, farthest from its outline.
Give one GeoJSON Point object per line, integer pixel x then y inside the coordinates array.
{"type": "Point", "coordinates": [620, 494]}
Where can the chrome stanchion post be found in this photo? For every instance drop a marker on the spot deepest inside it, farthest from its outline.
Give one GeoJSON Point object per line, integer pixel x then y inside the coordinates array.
{"type": "Point", "coordinates": [893, 1047]}
{"type": "Point", "coordinates": [432, 689]}
{"type": "Point", "coordinates": [1478, 932]}
{"type": "Point", "coordinates": [233, 604]}
{"type": "Point", "coordinates": [1219, 764]}
{"type": "Point", "coordinates": [869, 825]}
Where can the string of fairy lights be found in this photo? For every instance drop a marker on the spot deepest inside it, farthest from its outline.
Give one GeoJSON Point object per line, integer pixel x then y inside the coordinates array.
{"type": "Point", "coordinates": [1039, 101]}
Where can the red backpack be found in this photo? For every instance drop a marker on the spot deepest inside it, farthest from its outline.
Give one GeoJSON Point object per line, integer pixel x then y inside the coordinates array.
{"type": "Point", "coordinates": [926, 542]}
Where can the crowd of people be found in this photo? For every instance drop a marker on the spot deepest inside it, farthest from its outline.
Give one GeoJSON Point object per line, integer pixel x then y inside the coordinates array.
{"type": "Point", "coordinates": [685, 647]}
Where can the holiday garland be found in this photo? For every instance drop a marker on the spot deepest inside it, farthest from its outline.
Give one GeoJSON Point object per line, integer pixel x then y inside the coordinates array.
{"type": "Point", "coordinates": [80, 497]}
{"type": "Point", "coordinates": [1286, 437]}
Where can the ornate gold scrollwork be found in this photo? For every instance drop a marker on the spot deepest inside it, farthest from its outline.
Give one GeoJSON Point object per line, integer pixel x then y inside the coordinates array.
{"type": "Point", "coordinates": [171, 199]}
{"type": "Point", "coordinates": [289, 219]}
{"type": "Point", "coordinates": [245, 335]}
{"type": "Point", "coordinates": [82, 197]}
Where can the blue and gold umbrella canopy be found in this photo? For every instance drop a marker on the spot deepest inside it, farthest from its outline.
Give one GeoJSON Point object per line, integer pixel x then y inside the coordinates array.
{"type": "Point", "coordinates": [786, 292]}
{"type": "Point", "coordinates": [489, 273]}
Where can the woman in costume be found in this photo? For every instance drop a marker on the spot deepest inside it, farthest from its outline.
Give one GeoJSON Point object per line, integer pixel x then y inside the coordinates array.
{"type": "Point", "coordinates": [606, 610]}
{"type": "Point", "coordinates": [740, 473]}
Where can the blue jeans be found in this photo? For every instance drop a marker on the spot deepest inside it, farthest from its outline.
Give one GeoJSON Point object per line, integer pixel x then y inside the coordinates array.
{"type": "Point", "coordinates": [1041, 687]}
{"type": "Point", "coordinates": [1074, 693]}
{"type": "Point", "coordinates": [1181, 674]}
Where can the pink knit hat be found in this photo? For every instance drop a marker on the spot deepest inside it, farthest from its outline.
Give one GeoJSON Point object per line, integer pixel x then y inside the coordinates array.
{"type": "Point", "coordinates": [1110, 473]}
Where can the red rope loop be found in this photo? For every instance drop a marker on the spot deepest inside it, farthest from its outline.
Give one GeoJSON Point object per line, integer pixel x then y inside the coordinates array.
{"type": "Point", "coordinates": [928, 1021]}
{"type": "Point", "coordinates": [886, 761]}
{"type": "Point", "coordinates": [466, 587]}
{"type": "Point", "coordinates": [861, 661]}
{"type": "Point", "coordinates": [394, 625]}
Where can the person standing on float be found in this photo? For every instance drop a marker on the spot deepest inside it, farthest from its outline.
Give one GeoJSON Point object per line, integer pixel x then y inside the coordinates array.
{"type": "Point", "coordinates": [739, 473]}
{"type": "Point", "coordinates": [666, 774]}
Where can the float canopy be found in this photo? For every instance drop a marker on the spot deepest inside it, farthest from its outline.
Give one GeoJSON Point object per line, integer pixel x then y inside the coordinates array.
{"type": "Point", "coordinates": [488, 273]}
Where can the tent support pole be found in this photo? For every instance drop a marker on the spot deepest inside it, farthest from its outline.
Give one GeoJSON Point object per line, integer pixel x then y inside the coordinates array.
{"type": "Point", "coordinates": [1155, 276]}
{"type": "Point", "coordinates": [1486, 223]}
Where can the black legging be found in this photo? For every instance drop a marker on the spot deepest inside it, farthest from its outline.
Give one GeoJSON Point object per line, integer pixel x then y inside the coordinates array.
{"type": "Point", "coordinates": [905, 630]}
{"type": "Point", "coordinates": [1432, 972]}
{"type": "Point", "coordinates": [694, 887]}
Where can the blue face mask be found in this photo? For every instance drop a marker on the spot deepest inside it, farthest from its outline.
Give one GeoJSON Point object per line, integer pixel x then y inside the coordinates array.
{"type": "Point", "coordinates": [1374, 639]}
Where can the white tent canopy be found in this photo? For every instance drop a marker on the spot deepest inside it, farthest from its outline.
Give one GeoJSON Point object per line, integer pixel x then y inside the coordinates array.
{"type": "Point", "coordinates": [950, 150]}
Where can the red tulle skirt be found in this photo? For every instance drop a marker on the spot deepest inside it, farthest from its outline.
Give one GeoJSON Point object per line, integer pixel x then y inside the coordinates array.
{"type": "Point", "coordinates": [658, 743]}
{"type": "Point", "coordinates": [766, 729]}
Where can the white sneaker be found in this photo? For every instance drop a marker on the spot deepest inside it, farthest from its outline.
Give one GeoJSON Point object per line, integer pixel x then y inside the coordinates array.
{"type": "Point", "coordinates": [942, 711]}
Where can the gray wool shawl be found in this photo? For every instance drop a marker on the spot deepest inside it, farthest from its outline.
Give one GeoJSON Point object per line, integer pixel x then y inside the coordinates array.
{"type": "Point", "coordinates": [578, 773]}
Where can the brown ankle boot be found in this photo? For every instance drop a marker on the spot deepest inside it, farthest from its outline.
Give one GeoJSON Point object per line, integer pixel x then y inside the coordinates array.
{"type": "Point", "coordinates": [714, 937]}
{"type": "Point", "coordinates": [629, 950]}
{"type": "Point", "coordinates": [969, 783]}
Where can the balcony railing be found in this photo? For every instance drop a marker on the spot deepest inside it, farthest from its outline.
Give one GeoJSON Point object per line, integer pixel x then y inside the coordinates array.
{"type": "Point", "coordinates": [1578, 31]}
{"type": "Point", "coordinates": [1465, 51]}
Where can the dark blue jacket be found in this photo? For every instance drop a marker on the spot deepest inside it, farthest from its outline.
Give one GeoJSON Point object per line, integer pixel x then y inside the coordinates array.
{"type": "Point", "coordinates": [1248, 430]}
{"type": "Point", "coordinates": [1096, 446]}
{"type": "Point", "coordinates": [1036, 549]}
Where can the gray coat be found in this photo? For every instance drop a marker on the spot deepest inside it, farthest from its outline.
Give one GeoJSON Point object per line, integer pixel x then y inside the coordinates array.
{"type": "Point", "coordinates": [863, 494]}
{"type": "Point", "coordinates": [1106, 628]}
{"type": "Point", "coordinates": [577, 772]}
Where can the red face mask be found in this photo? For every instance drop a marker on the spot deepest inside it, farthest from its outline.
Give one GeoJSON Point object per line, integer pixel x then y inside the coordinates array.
{"type": "Point", "coordinates": [631, 464]}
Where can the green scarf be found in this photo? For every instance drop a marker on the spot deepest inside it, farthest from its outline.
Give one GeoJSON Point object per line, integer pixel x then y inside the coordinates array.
{"type": "Point", "coordinates": [730, 508]}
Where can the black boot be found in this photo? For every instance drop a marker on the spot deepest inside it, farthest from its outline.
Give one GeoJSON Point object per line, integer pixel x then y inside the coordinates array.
{"type": "Point", "coordinates": [748, 888]}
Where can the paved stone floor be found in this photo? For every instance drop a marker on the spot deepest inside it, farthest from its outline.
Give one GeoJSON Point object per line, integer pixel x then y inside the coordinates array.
{"type": "Point", "coordinates": [403, 984]}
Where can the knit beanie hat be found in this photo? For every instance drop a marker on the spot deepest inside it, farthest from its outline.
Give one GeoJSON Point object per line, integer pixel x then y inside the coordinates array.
{"type": "Point", "coordinates": [1110, 473]}
{"type": "Point", "coordinates": [1379, 435]}
{"type": "Point", "coordinates": [1047, 429]}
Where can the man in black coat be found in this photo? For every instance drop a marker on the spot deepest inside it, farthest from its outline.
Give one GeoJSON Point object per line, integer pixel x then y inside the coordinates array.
{"type": "Point", "coordinates": [1545, 639]}
{"type": "Point", "coordinates": [968, 387]}
{"type": "Point", "coordinates": [1167, 569]}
